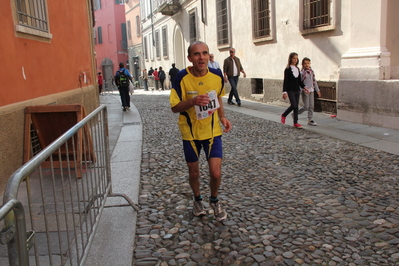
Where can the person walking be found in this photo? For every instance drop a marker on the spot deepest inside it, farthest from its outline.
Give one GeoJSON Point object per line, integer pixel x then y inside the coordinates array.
{"type": "Point", "coordinates": [156, 78]}
{"type": "Point", "coordinates": [172, 74]}
{"type": "Point", "coordinates": [231, 70]}
{"type": "Point", "coordinates": [162, 77]}
{"type": "Point", "coordinates": [145, 79]}
{"type": "Point", "coordinates": [197, 97]}
{"type": "Point", "coordinates": [100, 82]}
{"type": "Point", "coordinates": [122, 79]}
{"type": "Point", "coordinates": [292, 88]}
{"type": "Point", "coordinates": [212, 63]}
{"type": "Point", "coordinates": [309, 79]}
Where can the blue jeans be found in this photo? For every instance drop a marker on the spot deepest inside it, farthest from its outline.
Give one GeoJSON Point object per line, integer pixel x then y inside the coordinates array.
{"type": "Point", "coordinates": [233, 92]}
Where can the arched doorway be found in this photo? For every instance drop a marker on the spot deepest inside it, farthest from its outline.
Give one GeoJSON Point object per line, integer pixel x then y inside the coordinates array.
{"type": "Point", "coordinates": [108, 73]}
{"type": "Point", "coordinates": [180, 51]}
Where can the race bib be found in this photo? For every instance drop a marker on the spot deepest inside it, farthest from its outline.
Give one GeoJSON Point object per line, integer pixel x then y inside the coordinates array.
{"type": "Point", "coordinates": [203, 112]}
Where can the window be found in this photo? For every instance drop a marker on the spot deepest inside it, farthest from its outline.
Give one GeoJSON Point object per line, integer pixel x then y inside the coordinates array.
{"type": "Point", "coordinates": [157, 44]}
{"type": "Point", "coordinates": [94, 36]}
{"type": "Point", "coordinates": [32, 14]}
{"type": "Point", "coordinates": [164, 41]}
{"type": "Point", "coordinates": [317, 15]}
{"type": "Point", "coordinates": [261, 18]}
{"type": "Point", "coordinates": [124, 37]}
{"type": "Point", "coordinates": [129, 30]}
{"type": "Point", "coordinates": [151, 46]}
{"type": "Point", "coordinates": [222, 23]}
{"type": "Point", "coordinates": [143, 9]}
{"type": "Point", "coordinates": [138, 25]}
{"type": "Point", "coordinates": [193, 27]}
{"type": "Point", "coordinates": [120, 2]}
{"type": "Point", "coordinates": [97, 4]}
{"type": "Point", "coordinates": [100, 35]}
{"type": "Point", "coordinates": [145, 49]}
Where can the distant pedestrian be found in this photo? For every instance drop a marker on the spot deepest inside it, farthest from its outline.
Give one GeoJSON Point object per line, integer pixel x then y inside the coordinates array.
{"type": "Point", "coordinates": [231, 70]}
{"type": "Point", "coordinates": [197, 97]}
{"type": "Point", "coordinates": [212, 63]}
{"type": "Point", "coordinates": [292, 88]}
{"type": "Point", "coordinates": [100, 82]}
{"type": "Point", "coordinates": [150, 71]}
{"type": "Point", "coordinates": [156, 78]}
{"type": "Point", "coordinates": [172, 74]}
{"type": "Point", "coordinates": [309, 79]}
{"type": "Point", "coordinates": [162, 77]}
{"type": "Point", "coordinates": [145, 79]}
{"type": "Point", "coordinates": [122, 80]}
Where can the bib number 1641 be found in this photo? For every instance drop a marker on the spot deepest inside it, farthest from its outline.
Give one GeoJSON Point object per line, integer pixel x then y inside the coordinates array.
{"type": "Point", "coordinates": [207, 110]}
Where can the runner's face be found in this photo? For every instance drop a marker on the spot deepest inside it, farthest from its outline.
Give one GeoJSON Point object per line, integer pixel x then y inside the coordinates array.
{"type": "Point", "coordinates": [199, 57]}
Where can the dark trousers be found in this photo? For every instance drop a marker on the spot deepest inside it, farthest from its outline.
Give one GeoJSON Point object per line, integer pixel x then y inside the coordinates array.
{"type": "Point", "coordinates": [294, 101]}
{"type": "Point", "coordinates": [146, 84]}
{"type": "Point", "coordinates": [233, 92]}
{"type": "Point", "coordinates": [125, 97]}
{"type": "Point", "coordinates": [162, 82]}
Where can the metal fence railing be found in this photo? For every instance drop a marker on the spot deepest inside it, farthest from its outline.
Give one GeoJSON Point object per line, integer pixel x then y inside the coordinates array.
{"type": "Point", "coordinates": [49, 215]}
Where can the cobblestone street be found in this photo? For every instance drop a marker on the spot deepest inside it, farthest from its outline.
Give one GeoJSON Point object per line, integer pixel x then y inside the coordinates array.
{"type": "Point", "coordinates": [293, 197]}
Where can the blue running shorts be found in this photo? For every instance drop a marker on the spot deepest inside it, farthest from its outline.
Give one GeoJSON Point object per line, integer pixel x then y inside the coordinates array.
{"type": "Point", "coordinates": [212, 149]}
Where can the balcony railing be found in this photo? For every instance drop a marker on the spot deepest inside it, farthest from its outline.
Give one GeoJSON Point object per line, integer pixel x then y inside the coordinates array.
{"type": "Point", "coordinates": [169, 7]}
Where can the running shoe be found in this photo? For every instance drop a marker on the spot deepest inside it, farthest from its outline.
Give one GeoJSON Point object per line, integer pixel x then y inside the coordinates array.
{"type": "Point", "coordinates": [312, 123]}
{"type": "Point", "coordinates": [198, 209]}
{"type": "Point", "coordinates": [218, 211]}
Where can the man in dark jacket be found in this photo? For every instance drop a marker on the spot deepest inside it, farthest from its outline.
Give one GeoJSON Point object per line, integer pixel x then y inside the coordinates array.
{"type": "Point", "coordinates": [122, 79]}
{"type": "Point", "coordinates": [231, 70]}
{"type": "Point", "coordinates": [172, 74]}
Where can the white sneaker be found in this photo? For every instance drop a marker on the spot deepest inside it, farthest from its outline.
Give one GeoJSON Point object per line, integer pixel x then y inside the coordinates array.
{"type": "Point", "coordinates": [312, 123]}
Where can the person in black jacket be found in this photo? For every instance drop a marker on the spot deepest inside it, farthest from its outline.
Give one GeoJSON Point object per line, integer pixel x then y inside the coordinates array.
{"type": "Point", "coordinates": [123, 79]}
{"type": "Point", "coordinates": [172, 74]}
{"type": "Point", "coordinates": [292, 88]}
{"type": "Point", "coordinates": [162, 77]}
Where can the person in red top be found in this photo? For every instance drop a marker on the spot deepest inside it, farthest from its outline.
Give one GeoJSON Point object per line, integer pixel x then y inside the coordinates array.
{"type": "Point", "coordinates": [156, 78]}
{"type": "Point", "coordinates": [100, 82]}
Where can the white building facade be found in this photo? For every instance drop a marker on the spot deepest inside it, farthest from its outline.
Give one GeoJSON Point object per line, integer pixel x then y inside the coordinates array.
{"type": "Point", "coordinates": [352, 46]}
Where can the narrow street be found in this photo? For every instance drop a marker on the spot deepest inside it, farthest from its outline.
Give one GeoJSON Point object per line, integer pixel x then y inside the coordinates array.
{"type": "Point", "coordinates": [293, 197]}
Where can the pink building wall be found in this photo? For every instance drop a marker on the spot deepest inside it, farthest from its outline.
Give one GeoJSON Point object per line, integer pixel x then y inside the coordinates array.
{"type": "Point", "coordinates": [110, 17]}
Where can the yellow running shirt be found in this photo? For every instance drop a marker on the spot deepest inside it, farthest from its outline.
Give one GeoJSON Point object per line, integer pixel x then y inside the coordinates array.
{"type": "Point", "coordinates": [187, 86]}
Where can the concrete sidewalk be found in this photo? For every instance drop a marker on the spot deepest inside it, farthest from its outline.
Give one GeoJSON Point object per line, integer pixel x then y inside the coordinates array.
{"type": "Point", "coordinates": [114, 241]}
{"type": "Point", "coordinates": [383, 139]}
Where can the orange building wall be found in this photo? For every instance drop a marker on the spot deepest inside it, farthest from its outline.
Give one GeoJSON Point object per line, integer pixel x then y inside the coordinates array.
{"type": "Point", "coordinates": [31, 68]}
{"type": "Point", "coordinates": [39, 71]}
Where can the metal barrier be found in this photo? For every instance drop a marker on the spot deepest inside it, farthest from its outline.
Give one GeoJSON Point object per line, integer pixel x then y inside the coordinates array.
{"type": "Point", "coordinates": [62, 211]}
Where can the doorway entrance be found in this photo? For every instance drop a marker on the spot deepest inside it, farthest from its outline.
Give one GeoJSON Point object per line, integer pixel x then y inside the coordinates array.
{"type": "Point", "coordinates": [108, 73]}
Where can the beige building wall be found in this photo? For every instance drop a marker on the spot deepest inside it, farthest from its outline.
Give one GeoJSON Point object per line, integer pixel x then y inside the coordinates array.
{"type": "Point", "coordinates": [177, 35]}
{"type": "Point", "coordinates": [134, 33]}
{"type": "Point", "coordinates": [356, 52]}
{"type": "Point", "coordinates": [368, 85]}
